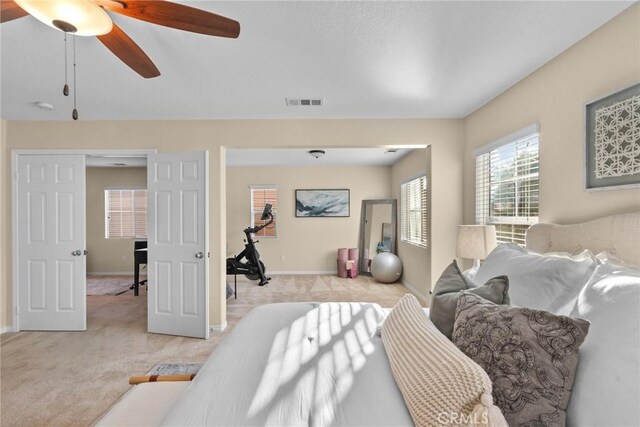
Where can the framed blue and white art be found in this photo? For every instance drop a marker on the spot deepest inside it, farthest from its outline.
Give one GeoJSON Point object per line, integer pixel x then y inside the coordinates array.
{"type": "Point", "coordinates": [322, 203]}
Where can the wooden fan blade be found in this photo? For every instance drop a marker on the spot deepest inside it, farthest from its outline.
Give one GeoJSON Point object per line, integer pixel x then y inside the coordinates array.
{"type": "Point", "coordinates": [129, 52]}
{"type": "Point", "coordinates": [9, 11]}
{"type": "Point", "coordinates": [175, 15]}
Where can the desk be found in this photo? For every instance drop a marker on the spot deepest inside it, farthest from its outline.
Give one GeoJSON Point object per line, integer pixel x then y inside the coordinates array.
{"type": "Point", "coordinates": [140, 257]}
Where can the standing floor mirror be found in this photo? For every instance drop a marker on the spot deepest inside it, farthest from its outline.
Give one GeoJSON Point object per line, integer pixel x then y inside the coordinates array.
{"type": "Point", "coordinates": [377, 231]}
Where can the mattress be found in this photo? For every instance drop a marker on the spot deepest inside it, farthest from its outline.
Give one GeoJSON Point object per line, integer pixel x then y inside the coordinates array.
{"type": "Point", "coordinates": [297, 364]}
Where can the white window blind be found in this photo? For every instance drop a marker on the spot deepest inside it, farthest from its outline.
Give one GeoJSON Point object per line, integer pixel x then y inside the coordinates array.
{"type": "Point", "coordinates": [125, 213]}
{"type": "Point", "coordinates": [414, 211]}
{"type": "Point", "coordinates": [260, 196]}
{"type": "Point", "coordinates": [507, 187]}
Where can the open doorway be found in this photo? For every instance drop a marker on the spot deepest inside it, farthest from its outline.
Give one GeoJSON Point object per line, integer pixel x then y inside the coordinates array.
{"type": "Point", "coordinates": [300, 253]}
{"type": "Point", "coordinates": [49, 240]}
{"type": "Point", "coordinates": [116, 213]}
{"type": "Point", "coordinates": [301, 243]}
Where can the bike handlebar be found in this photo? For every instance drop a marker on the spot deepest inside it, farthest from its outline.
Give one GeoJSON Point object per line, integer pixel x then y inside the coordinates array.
{"type": "Point", "coordinates": [260, 227]}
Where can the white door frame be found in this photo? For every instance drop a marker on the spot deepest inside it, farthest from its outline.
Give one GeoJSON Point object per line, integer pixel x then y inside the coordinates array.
{"type": "Point", "coordinates": [14, 204]}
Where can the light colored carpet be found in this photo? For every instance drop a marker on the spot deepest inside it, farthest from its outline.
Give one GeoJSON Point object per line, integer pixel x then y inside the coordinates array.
{"type": "Point", "coordinates": [109, 285]}
{"type": "Point", "coordinates": [71, 378]}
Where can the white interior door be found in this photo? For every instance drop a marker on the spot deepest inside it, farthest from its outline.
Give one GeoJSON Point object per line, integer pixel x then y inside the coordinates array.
{"type": "Point", "coordinates": [51, 265]}
{"type": "Point", "coordinates": [177, 188]}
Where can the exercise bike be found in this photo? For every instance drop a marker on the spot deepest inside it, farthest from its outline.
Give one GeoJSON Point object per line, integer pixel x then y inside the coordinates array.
{"type": "Point", "coordinates": [252, 268]}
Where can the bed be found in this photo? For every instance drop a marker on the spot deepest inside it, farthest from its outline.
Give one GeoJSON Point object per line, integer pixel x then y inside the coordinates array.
{"type": "Point", "coordinates": [325, 364]}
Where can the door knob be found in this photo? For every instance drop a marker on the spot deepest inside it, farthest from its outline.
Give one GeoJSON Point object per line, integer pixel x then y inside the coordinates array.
{"type": "Point", "coordinates": [76, 253]}
{"type": "Point", "coordinates": [199, 255]}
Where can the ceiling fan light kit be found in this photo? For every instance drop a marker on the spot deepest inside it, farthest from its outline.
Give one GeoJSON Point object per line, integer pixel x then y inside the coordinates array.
{"type": "Point", "coordinates": [89, 18]}
{"type": "Point", "coordinates": [80, 17]}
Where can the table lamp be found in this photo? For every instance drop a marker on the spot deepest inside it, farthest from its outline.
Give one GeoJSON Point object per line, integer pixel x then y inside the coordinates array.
{"type": "Point", "coordinates": [475, 242]}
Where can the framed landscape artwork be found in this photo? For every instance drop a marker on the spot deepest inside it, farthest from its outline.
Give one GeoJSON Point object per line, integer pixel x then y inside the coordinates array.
{"type": "Point", "coordinates": [613, 140]}
{"type": "Point", "coordinates": [322, 203]}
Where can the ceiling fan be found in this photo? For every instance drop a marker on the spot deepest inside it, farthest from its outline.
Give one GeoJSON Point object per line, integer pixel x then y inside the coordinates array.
{"type": "Point", "coordinates": [88, 18]}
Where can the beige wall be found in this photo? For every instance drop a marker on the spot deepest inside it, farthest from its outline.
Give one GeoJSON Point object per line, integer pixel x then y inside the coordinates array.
{"type": "Point", "coordinates": [442, 162]}
{"type": "Point", "coordinates": [108, 256]}
{"type": "Point", "coordinates": [302, 244]}
{"type": "Point", "coordinates": [446, 137]}
{"type": "Point", "coordinates": [555, 95]}
{"type": "Point", "coordinates": [5, 235]}
{"type": "Point", "coordinates": [416, 260]}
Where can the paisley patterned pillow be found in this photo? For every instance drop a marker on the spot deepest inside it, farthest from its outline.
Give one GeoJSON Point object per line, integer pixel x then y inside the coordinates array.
{"type": "Point", "coordinates": [530, 355]}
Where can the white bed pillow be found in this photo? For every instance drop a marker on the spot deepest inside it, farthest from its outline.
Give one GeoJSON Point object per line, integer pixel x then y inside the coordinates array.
{"type": "Point", "coordinates": [549, 282]}
{"type": "Point", "coordinates": [607, 386]}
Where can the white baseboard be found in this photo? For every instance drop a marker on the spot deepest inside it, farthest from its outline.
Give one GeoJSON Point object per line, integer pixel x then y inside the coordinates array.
{"type": "Point", "coordinates": [300, 273]}
{"type": "Point", "coordinates": [218, 328]}
{"type": "Point", "coordinates": [112, 273]}
{"type": "Point", "coordinates": [424, 298]}
{"type": "Point", "coordinates": [7, 329]}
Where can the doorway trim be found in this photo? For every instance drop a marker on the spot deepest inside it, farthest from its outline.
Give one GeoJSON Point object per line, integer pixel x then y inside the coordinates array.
{"type": "Point", "coordinates": [15, 154]}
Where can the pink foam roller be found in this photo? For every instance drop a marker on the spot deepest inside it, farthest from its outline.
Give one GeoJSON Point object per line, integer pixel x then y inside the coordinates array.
{"type": "Point", "coordinates": [353, 253]}
{"type": "Point", "coordinates": [342, 268]}
{"type": "Point", "coordinates": [343, 254]}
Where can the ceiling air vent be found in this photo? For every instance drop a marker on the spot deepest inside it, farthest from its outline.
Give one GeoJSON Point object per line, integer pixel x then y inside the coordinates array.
{"type": "Point", "coordinates": [304, 102]}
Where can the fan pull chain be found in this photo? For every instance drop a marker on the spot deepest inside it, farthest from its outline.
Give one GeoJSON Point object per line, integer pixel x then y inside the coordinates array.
{"type": "Point", "coordinates": [75, 86]}
{"type": "Point", "coordinates": [65, 89]}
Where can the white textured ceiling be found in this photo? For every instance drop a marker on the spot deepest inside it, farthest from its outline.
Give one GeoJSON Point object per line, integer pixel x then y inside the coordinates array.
{"type": "Point", "coordinates": [365, 59]}
{"type": "Point", "coordinates": [300, 157]}
{"type": "Point", "coordinates": [115, 162]}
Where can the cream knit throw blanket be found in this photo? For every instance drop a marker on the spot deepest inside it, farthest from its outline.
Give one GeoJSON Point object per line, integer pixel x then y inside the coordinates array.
{"type": "Point", "coordinates": [439, 383]}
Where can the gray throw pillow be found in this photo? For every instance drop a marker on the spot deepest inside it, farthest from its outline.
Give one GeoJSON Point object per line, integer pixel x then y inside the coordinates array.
{"type": "Point", "coordinates": [448, 287]}
{"type": "Point", "coordinates": [530, 355]}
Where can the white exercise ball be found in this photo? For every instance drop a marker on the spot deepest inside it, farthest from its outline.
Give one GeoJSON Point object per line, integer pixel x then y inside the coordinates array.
{"type": "Point", "coordinates": [386, 267]}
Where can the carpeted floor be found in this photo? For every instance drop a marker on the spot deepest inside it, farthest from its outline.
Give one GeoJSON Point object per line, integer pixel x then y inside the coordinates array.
{"type": "Point", "coordinates": [110, 285]}
{"type": "Point", "coordinates": [71, 378]}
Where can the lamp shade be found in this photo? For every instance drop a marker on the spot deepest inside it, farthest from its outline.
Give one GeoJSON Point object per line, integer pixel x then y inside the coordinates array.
{"type": "Point", "coordinates": [475, 241]}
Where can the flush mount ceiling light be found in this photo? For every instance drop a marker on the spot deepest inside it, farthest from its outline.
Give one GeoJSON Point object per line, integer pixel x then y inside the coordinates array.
{"type": "Point", "coordinates": [43, 105]}
{"type": "Point", "coordinates": [317, 153]}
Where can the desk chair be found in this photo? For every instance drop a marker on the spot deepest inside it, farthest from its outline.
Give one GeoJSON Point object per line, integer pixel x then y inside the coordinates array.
{"type": "Point", "coordinates": [140, 257]}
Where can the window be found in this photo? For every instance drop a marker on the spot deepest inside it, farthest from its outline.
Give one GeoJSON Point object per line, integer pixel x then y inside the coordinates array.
{"type": "Point", "coordinates": [507, 185]}
{"type": "Point", "coordinates": [260, 196]}
{"type": "Point", "coordinates": [125, 213]}
{"type": "Point", "coordinates": [414, 211]}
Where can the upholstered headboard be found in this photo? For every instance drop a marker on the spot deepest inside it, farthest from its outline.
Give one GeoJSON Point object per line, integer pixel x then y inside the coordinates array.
{"type": "Point", "coordinates": [618, 235]}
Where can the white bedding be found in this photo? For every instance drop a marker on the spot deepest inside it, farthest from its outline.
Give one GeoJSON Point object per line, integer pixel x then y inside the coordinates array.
{"type": "Point", "coordinates": [268, 371]}
{"type": "Point", "coordinates": [297, 364]}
